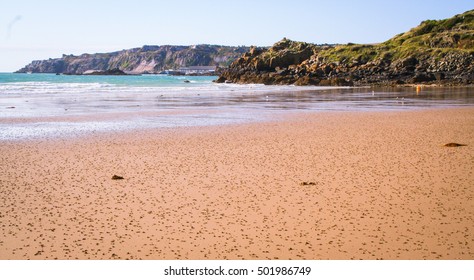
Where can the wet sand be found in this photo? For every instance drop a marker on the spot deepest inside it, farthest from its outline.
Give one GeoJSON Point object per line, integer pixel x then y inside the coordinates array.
{"type": "Point", "coordinates": [332, 185]}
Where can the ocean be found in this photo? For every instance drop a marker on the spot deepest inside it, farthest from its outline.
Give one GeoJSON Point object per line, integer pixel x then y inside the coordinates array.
{"type": "Point", "coordinates": [50, 106]}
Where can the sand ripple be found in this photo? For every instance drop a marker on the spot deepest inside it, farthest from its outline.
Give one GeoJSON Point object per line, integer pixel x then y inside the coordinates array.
{"type": "Point", "coordinates": [317, 186]}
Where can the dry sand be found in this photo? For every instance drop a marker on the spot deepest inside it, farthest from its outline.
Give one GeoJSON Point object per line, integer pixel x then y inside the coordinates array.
{"type": "Point", "coordinates": [378, 185]}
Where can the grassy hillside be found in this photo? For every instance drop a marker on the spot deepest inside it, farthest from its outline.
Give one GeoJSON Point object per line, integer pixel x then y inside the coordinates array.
{"type": "Point", "coordinates": [436, 51]}
{"type": "Point", "coordinates": [431, 38]}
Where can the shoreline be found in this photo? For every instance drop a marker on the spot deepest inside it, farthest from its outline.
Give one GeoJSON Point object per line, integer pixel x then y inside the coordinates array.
{"type": "Point", "coordinates": [322, 185]}
{"type": "Point", "coordinates": [127, 123]}
{"type": "Point", "coordinates": [259, 109]}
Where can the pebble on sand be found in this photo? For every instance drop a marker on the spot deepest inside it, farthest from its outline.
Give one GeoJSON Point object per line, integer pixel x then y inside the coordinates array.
{"type": "Point", "coordinates": [454, 145]}
{"type": "Point", "coordinates": [307, 183]}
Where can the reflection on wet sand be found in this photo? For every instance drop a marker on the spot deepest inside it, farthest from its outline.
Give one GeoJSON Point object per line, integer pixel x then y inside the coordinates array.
{"type": "Point", "coordinates": [58, 116]}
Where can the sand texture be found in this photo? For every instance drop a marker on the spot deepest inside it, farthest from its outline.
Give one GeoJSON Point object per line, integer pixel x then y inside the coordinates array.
{"type": "Point", "coordinates": [334, 185]}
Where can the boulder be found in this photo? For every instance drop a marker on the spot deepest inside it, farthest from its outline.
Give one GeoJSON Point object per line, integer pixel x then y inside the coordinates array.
{"type": "Point", "coordinates": [307, 81]}
{"type": "Point", "coordinates": [422, 78]}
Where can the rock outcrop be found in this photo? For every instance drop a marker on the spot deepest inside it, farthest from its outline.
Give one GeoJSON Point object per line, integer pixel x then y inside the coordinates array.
{"type": "Point", "coordinates": [148, 59]}
{"type": "Point", "coordinates": [435, 52]}
{"type": "Point", "coordinates": [108, 72]}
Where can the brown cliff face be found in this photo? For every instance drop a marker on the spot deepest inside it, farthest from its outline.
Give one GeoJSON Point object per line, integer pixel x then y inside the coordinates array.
{"type": "Point", "coordinates": [435, 52]}
{"type": "Point", "coordinates": [148, 59]}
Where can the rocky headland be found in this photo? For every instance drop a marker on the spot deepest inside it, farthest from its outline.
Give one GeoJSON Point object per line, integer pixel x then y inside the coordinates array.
{"type": "Point", "coordinates": [144, 60]}
{"type": "Point", "coordinates": [435, 52]}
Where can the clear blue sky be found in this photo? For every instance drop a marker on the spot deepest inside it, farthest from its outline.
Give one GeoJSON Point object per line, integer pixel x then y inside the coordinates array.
{"type": "Point", "coordinates": [42, 29]}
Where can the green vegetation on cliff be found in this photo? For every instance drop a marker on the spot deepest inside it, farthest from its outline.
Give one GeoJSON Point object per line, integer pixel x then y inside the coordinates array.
{"type": "Point", "coordinates": [431, 37]}
{"type": "Point", "coordinates": [436, 51]}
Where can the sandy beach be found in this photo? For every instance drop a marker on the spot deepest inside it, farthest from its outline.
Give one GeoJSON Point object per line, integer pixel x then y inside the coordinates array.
{"type": "Point", "coordinates": [329, 185]}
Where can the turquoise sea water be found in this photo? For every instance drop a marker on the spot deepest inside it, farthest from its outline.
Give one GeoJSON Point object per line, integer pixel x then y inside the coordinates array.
{"type": "Point", "coordinates": [125, 81]}
{"type": "Point", "coordinates": [49, 105]}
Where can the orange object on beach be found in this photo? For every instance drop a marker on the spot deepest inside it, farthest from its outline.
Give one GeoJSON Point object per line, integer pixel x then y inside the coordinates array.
{"type": "Point", "coordinates": [418, 89]}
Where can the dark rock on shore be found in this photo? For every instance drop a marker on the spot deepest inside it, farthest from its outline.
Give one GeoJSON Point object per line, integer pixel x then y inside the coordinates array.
{"type": "Point", "coordinates": [435, 52]}
{"type": "Point", "coordinates": [109, 72]}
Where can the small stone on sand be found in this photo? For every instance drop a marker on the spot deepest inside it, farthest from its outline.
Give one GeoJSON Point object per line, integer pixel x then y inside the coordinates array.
{"type": "Point", "coordinates": [454, 145]}
{"type": "Point", "coordinates": [308, 184]}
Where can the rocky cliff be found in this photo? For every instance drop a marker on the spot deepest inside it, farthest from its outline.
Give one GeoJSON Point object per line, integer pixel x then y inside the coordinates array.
{"type": "Point", "coordinates": [440, 52]}
{"type": "Point", "coordinates": [148, 59]}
